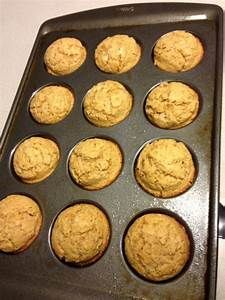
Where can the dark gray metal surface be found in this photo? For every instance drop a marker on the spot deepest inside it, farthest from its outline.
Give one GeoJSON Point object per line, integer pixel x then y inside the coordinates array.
{"type": "Point", "coordinates": [36, 273]}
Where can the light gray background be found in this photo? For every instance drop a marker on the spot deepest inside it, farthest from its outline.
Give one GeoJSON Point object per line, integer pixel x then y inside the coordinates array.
{"type": "Point", "coordinates": [19, 23]}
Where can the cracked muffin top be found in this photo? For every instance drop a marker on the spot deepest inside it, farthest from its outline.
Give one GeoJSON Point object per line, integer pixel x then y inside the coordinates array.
{"type": "Point", "coordinates": [165, 168]}
{"type": "Point", "coordinates": [51, 104]}
{"type": "Point", "coordinates": [157, 246]}
{"type": "Point", "coordinates": [20, 223]}
{"type": "Point", "coordinates": [117, 54]}
{"type": "Point", "coordinates": [107, 103]}
{"type": "Point", "coordinates": [35, 159]}
{"type": "Point", "coordinates": [80, 234]}
{"type": "Point", "coordinates": [178, 51]}
{"type": "Point", "coordinates": [172, 105]}
{"type": "Point", "coordinates": [64, 56]}
{"type": "Point", "coordinates": [95, 163]}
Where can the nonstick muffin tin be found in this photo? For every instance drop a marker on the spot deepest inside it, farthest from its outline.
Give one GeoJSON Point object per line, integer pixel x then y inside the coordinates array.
{"type": "Point", "coordinates": [36, 272]}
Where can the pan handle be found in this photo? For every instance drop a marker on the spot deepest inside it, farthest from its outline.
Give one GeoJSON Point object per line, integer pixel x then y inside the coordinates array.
{"type": "Point", "coordinates": [221, 221]}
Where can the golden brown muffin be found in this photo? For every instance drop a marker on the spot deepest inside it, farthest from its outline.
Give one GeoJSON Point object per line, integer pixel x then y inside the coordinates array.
{"type": "Point", "coordinates": [51, 104]}
{"type": "Point", "coordinates": [157, 246]}
{"type": "Point", "coordinates": [35, 159]}
{"type": "Point", "coordinates": [107, 103]}
{"type": "Point", "coordinates": [178, 51]}
{"type": "Point", "coordinates": [117, 54]}
{"type": "Point", "coordinates": [80, 234]}
{"type": "Point", "coordinates": [20, 223]}
{"type": "Point", "coordinates": [172, 105]}
{"type": "Point", "coordinates": [95, 163]}
{"type": "Point", "coordinates": [64, 56]}
{"type": "Point", "coordinates": [165, 168]}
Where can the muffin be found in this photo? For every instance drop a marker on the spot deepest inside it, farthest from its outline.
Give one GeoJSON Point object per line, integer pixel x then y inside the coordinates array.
{"type": "Point", "coordinates": [95, 163]}
{"type": "Point", "coordinates": [51, 104]}
{"type": "Point", "coordinates": [20, 223]}
{"type": "Point", "coordinates": [107, 103]}
{"type": "Point", "coordinates": [157, 246]}
{"type": "Point", "coordinates": [35, 159]}
{"type": "Point", "coordinates": [80, 234]}
{"type": "Point", "coordinates": [178, 51]}
{"type": "Point", "coordinates": [64, 56]}
{"type": "Point", "coordinates": [165, 168]}
{"type": "Point", "coordinates": [172, 105]}
{"type": "Point", "coordinates": [117, 54]}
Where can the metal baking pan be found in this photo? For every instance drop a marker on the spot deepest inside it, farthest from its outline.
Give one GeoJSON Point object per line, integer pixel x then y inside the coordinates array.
{"type": "Point", "coordinates": [36, 273]}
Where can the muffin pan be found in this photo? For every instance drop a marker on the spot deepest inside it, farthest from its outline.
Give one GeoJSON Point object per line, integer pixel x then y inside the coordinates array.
{"type": "Point", "coordinates": [36, 272]}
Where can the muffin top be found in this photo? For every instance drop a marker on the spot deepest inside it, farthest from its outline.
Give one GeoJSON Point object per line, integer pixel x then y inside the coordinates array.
{"type": "Point", "coordinates": [117, 54]}
{"type": "Point", "coordinates": [64, 56]}
{"type": "Point", "coordinates": [178, 51]}
{"type": "Point", "coordinates": [165, 168]}
{"type": "Point", "coordinates": [20, 222]}
{"type": "Point", "coordinates": [172, 105]}
{"type": "Point", "coordinates": [35, 159]}
{"type": "Point", "coordinates": [80, 234]}
{"type": "Point", "coordinates": [157, 246]}
{"type": "Point", "coordinates": [95, 163]}
{"type": "Point", "coordinates": [51, 104]}
{"type": "Point", "coordinates": [107, 103]}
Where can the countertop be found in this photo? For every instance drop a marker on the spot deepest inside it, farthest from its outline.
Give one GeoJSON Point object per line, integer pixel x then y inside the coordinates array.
{"type": "Point", "coordinates": [19, 24]}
